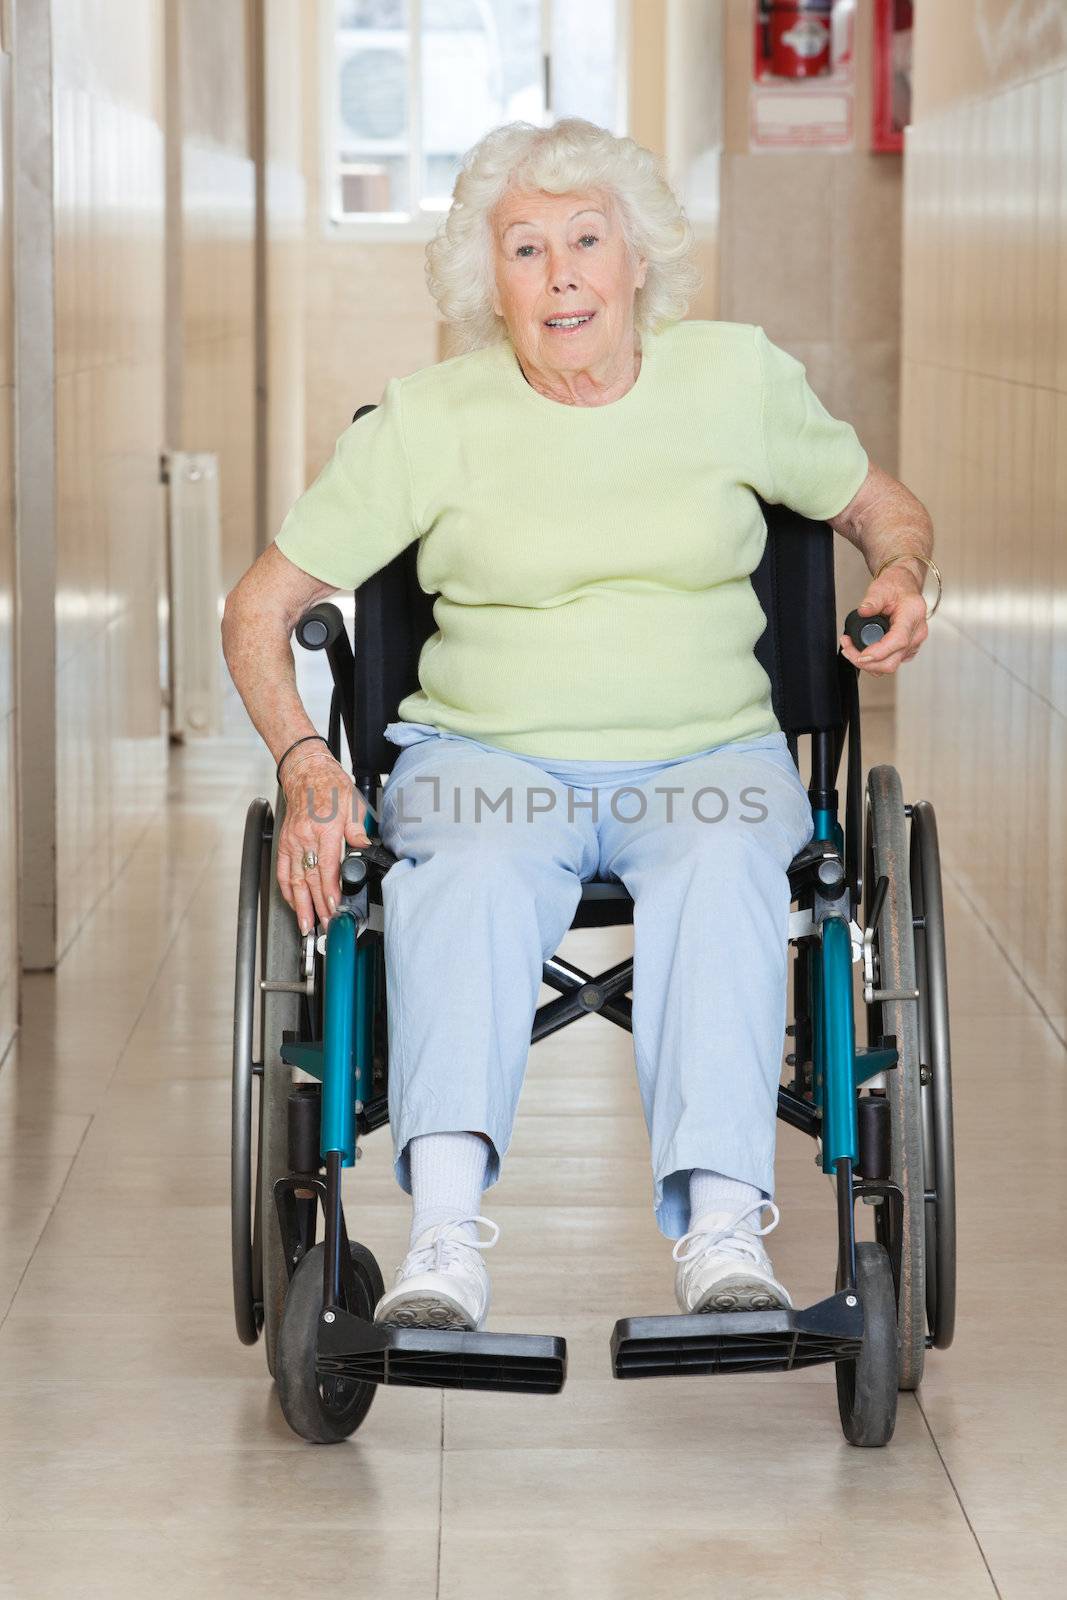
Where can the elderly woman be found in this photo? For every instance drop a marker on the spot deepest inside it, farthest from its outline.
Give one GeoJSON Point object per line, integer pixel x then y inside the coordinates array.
{"type": "Point", "coordinates": [582, 482]}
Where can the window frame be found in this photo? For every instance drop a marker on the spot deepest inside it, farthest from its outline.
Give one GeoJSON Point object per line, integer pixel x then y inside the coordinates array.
{"type": "Point", "coordinates": [375, 226]}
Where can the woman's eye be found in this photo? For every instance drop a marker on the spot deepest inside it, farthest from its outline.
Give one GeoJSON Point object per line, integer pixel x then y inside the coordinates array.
{"type": "Point", "coordinates": [519, 252]}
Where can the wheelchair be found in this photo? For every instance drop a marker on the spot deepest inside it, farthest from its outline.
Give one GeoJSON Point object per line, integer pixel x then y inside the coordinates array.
{"type": "Point", "coordinates": [311, 1053]}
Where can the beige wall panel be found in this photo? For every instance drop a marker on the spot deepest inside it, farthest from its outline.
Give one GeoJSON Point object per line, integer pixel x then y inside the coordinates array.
{"type": "Point", "coordinates": [218, 295]}
{"type": "Point", "coordinates": [8, 817]}
{"type": "Point", "coordinates": [969, 47]}
{"type": "Point", "coordinates": [776, 244]}
{"type": "Point", "coordinates": [1050, 242]}
{"type": "Point", "coordinates": [9, 957]}
{"type": "Point", "coordinates": [353, 353]}
{"type": "Point", "coordinates": [83, 784]}
{"type": "Point", "coordinates": [982, 712]}
{"type": "Point", "coordinates": [1056, 937]}
{"type": "Point", "coordinates": [214, 64]}
{"type": "Point", "coordinates": [7, 550]}
{"type": "Point", "coordinates": [109, 413]}
{"type": "Point", "coordinates": [1059, 125]}
{"type": "Point", "coordinates": [216, 359]}
{"type": "Point", "coordinates": [866, 227]}
{"type": "Point", "coordinates": [694, 113]}
{"type": "Point", "coordinates": [1044, 531]}
{"type": "Point", "coordinates": [1054, 466]}
{"type": "Point", "coordinates": [648, 73]}
{"type": "Point", "coordinates": [81, 552]}
{"type": "Point", "coordinates": [1037, 888]}
{"type": "Point", "coordinates": [810, 248]}
{"type": "Point", "coordinates": [286, 223]}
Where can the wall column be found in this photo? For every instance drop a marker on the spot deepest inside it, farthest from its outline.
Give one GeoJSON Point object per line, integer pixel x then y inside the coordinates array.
{"type": "Point", "coordinates": [35, 477]}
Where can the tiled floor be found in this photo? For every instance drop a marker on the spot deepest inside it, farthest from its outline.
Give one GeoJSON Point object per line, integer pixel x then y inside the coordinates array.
{"type": "Point", "coordinates": [143, 1450]}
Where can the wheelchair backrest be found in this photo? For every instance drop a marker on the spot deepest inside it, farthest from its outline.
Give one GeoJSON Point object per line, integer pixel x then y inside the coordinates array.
{"type": "Point", "coordinates": [794, 584]}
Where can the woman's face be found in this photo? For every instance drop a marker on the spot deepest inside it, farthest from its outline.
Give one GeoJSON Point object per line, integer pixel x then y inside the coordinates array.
{"type": "Point", "coordinates": [555, 255]}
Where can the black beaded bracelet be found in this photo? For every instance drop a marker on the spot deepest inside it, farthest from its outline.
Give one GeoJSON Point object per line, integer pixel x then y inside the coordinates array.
{"type": "Point", "coordinates": [304, 740]}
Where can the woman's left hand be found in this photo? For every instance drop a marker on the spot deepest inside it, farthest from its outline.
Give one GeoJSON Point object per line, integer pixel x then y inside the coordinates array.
{"type": "Point", "coordinates": [897, 595]}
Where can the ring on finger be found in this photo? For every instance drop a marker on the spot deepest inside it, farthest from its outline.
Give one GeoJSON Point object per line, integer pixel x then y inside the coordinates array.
{"type": "Point", "coordinates": [309, 861]}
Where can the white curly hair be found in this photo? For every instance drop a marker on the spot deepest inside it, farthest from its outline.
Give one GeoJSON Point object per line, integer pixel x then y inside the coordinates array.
{"type": "Point", "coordinates": [570, 156]}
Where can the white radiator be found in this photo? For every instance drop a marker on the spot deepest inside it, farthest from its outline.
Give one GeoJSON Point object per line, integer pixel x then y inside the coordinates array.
{"type": "Point", "coordinates": [195, 570]}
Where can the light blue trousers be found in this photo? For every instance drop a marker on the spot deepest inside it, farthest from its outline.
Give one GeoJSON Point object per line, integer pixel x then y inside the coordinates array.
{"type": "Point", "coordinates": [494, 848]}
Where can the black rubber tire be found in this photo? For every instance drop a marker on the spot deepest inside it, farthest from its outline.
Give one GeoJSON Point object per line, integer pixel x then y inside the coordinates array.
{"type": "Point", "coordinates": [280, 1014]}
{"type": "Point", "coordinates": [867, 1386]}
{"type": "Point", "coordinates": [886, 854]}
{"type": "Point", "coordinates": [245, 1221]}
{"type": "Point", "coordinates": [935, 1053]}
{"type": "Point", "coordinates": [305, 1402]}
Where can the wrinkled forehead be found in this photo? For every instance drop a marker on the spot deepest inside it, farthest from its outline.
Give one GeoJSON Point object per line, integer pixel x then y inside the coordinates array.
{"type": "Point", "coordinates": [535, 206]}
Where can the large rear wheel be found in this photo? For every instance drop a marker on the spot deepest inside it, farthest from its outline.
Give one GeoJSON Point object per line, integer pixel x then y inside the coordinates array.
{"type": "Point", "coordinates": [935, 1053]}
{"type": "Point", "coordinates": [886, 855]}
{"type": "Point", "coordinates": [268, 946]}
{"type": "Point", "coordinates": [282, 960]}
{"type": "Point", "coordinates": [245, 1229]}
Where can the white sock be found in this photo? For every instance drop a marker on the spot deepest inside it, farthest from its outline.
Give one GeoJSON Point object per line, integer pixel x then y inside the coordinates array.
{"type": "Point", "coordinates": [447, 1177]}
{"type": "Point", "coordinates": [710, 1191]}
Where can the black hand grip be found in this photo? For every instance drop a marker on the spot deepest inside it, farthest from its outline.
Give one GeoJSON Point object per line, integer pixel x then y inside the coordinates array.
{"type": "Point", "coordinates": [353, 874]}
{"type": "Point", "coordinates": [355, 864]}
{"type": "Point", "coordinates": [866, 630]}
{"type": "Point", "coordinates": [320, 627]}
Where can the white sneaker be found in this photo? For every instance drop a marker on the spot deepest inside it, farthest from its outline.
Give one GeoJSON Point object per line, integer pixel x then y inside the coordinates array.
{"type": "Point", "coordinates": [442, 1281]}
{"type": "Point", "coordinates": [722, 1266]}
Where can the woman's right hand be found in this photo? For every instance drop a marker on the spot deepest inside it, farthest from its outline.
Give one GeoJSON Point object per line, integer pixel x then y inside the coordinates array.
{"type": "Point", "coordinates": [323, 811]}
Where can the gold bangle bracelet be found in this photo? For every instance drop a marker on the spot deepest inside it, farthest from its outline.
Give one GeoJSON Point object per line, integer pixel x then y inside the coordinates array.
{"type": "Point", "coordinates": [915, 556]}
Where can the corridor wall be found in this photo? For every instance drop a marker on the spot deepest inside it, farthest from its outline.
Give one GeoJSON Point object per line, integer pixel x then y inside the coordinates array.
{"type": "Point", "coordinates": [109, 351]}
{"type": "Point", "coordinates": [149, 359]}
{"type": "Point", "coordinates": [982, 711]}
{"type": "Point", "coordinates": [209, 74]}
{"type": "Point", "coordinates": [8, 853]}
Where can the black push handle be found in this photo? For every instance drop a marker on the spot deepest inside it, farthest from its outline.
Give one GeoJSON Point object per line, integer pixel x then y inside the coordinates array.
{"type": "Point", "coordinates": [320, 627]}
{"type": "Point", "coordinates": [323, 628]}
{"type": "Point", "coordinates": [866, 630]}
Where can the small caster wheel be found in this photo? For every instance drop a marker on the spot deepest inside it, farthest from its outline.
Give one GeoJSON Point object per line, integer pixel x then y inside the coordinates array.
{"type": "Point", "coordinates": [322, 1410]}
{"type": "Point", "coordinates": [867, 1386]}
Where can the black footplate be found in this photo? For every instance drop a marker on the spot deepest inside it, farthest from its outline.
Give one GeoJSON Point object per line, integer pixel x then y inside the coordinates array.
{"type": "Point", "coordinates": [425, 1358]}
{"type": "Point", "coordinates": [738, 1341]}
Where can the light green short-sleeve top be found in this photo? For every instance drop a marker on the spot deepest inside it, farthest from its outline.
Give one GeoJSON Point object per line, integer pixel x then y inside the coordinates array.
{"type": "Point", "coordinates": [592, 563]}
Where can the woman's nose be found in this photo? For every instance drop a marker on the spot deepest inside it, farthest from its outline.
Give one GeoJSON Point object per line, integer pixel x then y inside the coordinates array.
{"type": "Point", "coordinates": [561, 273]}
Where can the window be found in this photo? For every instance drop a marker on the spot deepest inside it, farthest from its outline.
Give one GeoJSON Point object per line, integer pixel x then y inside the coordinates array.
{"type": "Point", "coordinates": [414, 83]}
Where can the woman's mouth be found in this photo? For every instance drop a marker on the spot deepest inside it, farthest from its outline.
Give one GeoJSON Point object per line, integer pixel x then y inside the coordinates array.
{"type": "Point", "coordinates": [572, 324]}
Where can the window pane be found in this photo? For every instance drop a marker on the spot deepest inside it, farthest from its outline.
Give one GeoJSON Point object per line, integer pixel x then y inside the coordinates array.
{"type": "Point", "coordinates": [584, 62]}
{"type": "Point", "coordinates": [372, 106]}
{"type": "Point", "coordinates": [481, 66]}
